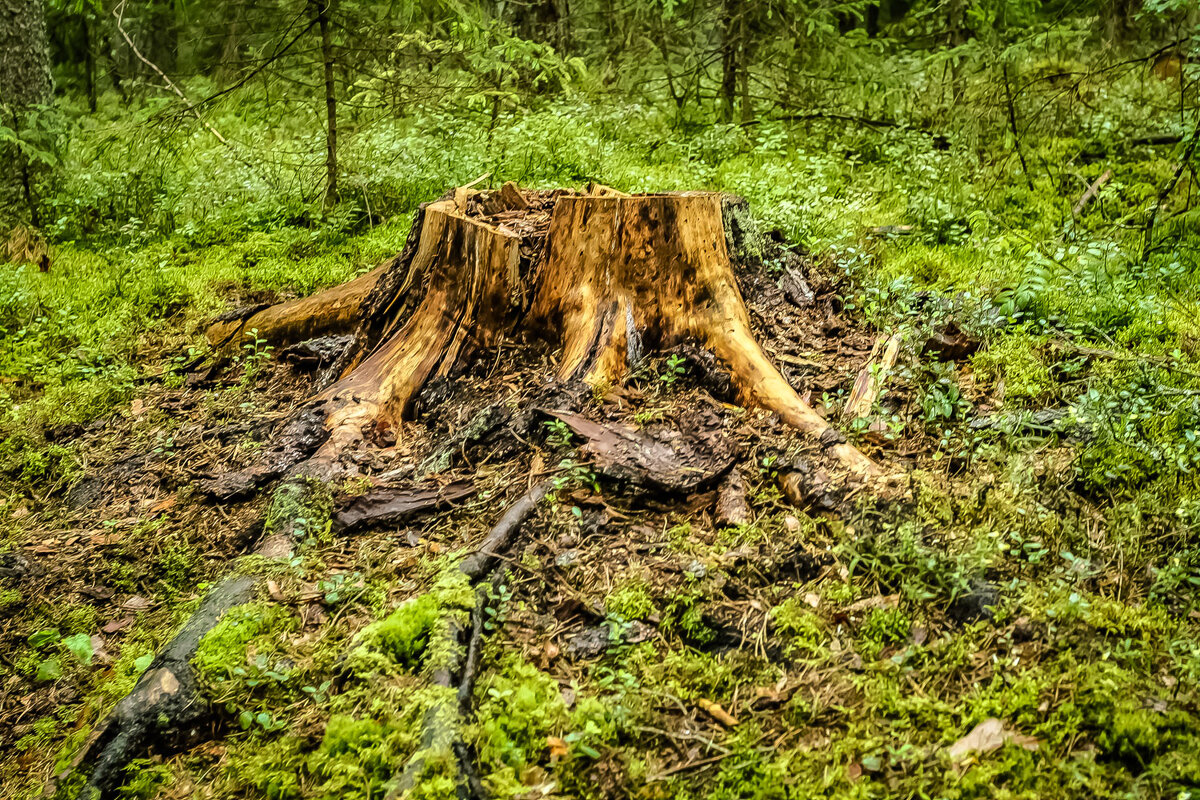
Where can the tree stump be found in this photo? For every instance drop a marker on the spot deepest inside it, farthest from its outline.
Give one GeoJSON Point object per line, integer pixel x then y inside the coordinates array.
{"type": "Point", "coordinates": [604, 276]}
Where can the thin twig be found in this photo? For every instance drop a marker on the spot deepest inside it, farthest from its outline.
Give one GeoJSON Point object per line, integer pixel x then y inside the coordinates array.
{"type": "Point", "coordinates": [1091, 192]}
{"type": "Point", "coordinates": [1176, 174]}
{"type": "Point", "coordinates": [1012, 121]}
{"type": "Point", "coordinates": [118, 14]}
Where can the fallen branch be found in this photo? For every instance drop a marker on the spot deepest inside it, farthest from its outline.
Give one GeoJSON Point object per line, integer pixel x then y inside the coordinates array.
{"type": "Point", "coordinates": [500, 536]}
{"type": "Point", "coordinates": [1091, 192]}
{"type": "Point", "coordinates": [1189, 151]}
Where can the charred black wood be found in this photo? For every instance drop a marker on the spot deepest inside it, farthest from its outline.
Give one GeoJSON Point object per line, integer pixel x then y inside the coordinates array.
{"type": "Point", "coordinates": [300, 437]}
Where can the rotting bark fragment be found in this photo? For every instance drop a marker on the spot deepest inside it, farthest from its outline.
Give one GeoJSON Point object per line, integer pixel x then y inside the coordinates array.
{"type": "Point", "coordinates": [299, 437]}
{"type": "Point", "coordinates": [732, 508]}
{"type": "Point", "coordinates": [667, 460]}
{"type": "Point", "coordinates": [387, 504]}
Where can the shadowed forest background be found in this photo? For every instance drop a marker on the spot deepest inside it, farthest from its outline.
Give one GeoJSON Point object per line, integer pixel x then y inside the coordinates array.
{"type": "Point", "coordinates": [1004, 188]}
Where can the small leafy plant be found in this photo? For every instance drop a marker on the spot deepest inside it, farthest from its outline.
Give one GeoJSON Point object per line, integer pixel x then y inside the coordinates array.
{"type": "Point", "coordinates": [675, 369]}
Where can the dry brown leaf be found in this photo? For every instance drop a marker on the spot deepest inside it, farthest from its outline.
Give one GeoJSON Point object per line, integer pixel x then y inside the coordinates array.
{"type": "Point", "coordinates": [989, 735]}
{"type": "Point", "coordinates": [872, 603]}
{"type": "Point", "coordinates": [136, 603]}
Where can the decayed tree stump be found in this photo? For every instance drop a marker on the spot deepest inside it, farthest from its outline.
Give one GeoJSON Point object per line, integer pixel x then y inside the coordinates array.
{"type": "Point", "coordinates": [620, 274]}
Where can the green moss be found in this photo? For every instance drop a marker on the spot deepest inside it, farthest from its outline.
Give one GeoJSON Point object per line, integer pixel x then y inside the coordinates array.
{"type": "Point", "coordinates": [883, 627]}
{"type": "Point", "coordinates": [356, 753]}
{"type": "Point", "coordinates": [408, 635]}
{"type": "Point", "coordinates": [684, 614]}
{"type": "Point", "coordinates": [272, 769]}
{"type": "Point", "coordinates": [300, 508]}
{"type": "Point", "coordinates": [147, 780]}
{"type": "Point", "coordinates": [44, 731]}
{"type": "Point", "coordinates": [82, 618]}
{"type": "Point", "coordinates": [178, 566]}
{"type": "Point", "coordinates": [518, 707]}
{"type": "Point", "coordinates": [1018, 360]}
{"type": "Point", "coordinates": [841, 593]}
{"type": "Point", "coordinates": [405, 633]}
{"type": "Point", "coordinates": [9, 598]}
{"type": "Point", "coordinates": [223, 650]}
{"type": "Point", "coordinates": [803, 630]}
{"type": "Point", "coordinates": [630, 600]}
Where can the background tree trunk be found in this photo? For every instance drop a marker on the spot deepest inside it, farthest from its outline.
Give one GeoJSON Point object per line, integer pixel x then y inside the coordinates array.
{"type": "Point", "coordinates": [25, 82]}
{"type": "Point", "coordinates": [321, 8]}
{"type": "Point", "coordinates": [161, 33]}
{"type": "Point", "coordinates": [729, 59]}
{"type": "Point", "coordinates": [89, 61]}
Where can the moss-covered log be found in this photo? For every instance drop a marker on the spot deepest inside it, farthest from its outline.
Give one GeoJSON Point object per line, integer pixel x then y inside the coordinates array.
{"type": "Point", "coordinates": [165, 710]}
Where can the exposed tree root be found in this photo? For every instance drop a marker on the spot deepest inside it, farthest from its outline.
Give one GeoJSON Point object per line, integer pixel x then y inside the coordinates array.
{"type": "Point", "coordinates": [165, 708]}
{"type": "Point", "coordinates": [442, 736]}
{"type": "Point", "coordinates": [334, 310]}
{"type": "Point", "coordinates": [501, 535]}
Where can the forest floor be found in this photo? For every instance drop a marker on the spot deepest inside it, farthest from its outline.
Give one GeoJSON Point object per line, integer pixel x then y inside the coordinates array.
{"type": "Point", "coordinates": [1015, 617]}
